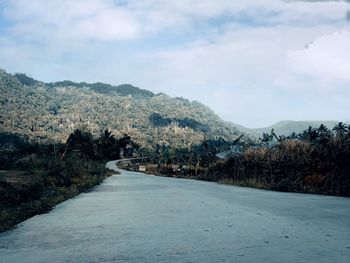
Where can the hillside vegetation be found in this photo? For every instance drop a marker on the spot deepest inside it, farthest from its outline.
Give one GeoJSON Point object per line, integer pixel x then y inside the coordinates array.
{"type": "Point", "coordinates": [49, 112]}
{"type": "Point", "coordinates": [179, 137]}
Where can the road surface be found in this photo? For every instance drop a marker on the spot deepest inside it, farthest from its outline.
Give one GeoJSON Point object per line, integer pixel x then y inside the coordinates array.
{"type": "Point", "coordinates": [140, 218]}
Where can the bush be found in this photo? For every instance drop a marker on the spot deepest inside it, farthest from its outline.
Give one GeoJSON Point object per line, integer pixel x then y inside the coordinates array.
{"type": "Point", "coordinates": [294, 166]}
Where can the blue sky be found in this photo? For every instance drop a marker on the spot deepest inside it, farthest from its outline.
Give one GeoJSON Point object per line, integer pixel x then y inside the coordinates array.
{"type": "Point", "coordinates": [254, 62]}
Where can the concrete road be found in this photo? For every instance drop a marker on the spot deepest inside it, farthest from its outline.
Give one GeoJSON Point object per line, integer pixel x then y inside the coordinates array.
{"type": "Point", "coordinates": [139, 218]}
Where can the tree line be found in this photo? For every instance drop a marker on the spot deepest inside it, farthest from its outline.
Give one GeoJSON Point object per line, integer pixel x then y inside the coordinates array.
{"type": "Point", "coordinates": [317, 160]}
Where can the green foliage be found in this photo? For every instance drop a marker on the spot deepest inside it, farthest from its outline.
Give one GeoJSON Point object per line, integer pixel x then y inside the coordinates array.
{"type": "Point", "coordinates": [52, 174]}
{"type": "Point", "coordinates": [102, 88]}
{"type": "Point", "coordinates": [157, 120]}
{"type": "Point", "coordinates": [319, 163]}
{"type": "Point", "coordinates": [24, 79]}
{"type": "Point", "coordinates": [14, 195]}
{"type": "Point", "coordinates": [340, 129]}
{"type": "Point", "coordinates": [313, 161]}
{"type": "Point", "coordinates": [108, 146]}
{"type": "Point", "coordinates": [48, 113]}
{"type": "Point", "coordinates": [10, 141]}
{"type": "Point", "coordinates": [81, 141]}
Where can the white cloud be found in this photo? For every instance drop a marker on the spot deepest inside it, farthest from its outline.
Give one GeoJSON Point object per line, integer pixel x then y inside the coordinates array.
{"type": "Point", "coordinates": [242, 58]}
{"type": "Point", "coordinates": [245, 58]}
{"type": "Point", "coordinates": [105, 20]}
{"type": "Point", "coordinates": [326, 59]}
{"type": "Point", "coordinates": [107, 25]}
{"type": "Point", "coordinates": [185, 12]}
{"type": "Point", "coordinates": [70, 20]}
{"type": "Point", "coordinates": [250, 76]}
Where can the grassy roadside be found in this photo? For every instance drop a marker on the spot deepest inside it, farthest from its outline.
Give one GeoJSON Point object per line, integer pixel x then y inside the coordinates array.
{"type": "Point", "coordinates": [34, 177]}
{"type": "Point", "coordinates": [25, 198]}
{"type": "Point", "coordinates": [251, 183]}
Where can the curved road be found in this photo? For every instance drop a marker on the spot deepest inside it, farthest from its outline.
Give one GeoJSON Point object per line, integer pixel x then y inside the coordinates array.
{"type": "Point", "coordinates": [139, 218]}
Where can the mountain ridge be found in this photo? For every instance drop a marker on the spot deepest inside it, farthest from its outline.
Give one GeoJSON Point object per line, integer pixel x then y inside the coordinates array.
{"type": "Point", "coordinates": [99, 87]}
{"type": "Point", "coordinates": [50, 112]}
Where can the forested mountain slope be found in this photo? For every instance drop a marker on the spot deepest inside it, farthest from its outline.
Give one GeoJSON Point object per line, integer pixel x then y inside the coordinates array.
{"type": "Point", "coordinates": [51, 111]}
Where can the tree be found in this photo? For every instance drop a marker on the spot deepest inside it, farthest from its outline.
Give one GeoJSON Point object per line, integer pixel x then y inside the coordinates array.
{"type": "Point", "coordinates": [81, 141]}
{"type": "Point", "coordinates": [293, 136]}
{"type": "Point", "coordinates": [108, 146]}
{"type": "Point", "coordinates": [340, 129]}
{"type": "Point", "coordinates": [324, 133]}
{"type": "Point", "coordinates": [310, 134]}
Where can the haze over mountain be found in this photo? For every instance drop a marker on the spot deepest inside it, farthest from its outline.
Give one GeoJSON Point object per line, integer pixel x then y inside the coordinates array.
{"type": "Point", "coordinates": [286, 127]}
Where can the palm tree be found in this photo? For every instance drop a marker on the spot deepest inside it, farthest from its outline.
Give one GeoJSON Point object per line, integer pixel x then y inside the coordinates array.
{"type": "Point", "coordinates": [81, 141]}
{"type": "Point", "coordinates": [310, 134]}
{"type": "Point", "coordinates": [292, 136]}
{"type": "Point", "coordinates": [340, 129]}
{"type": "Point", "coordinates": [266, 137]}
{"type": "Point", "coordinates": [323, 129]}
{"type": "Point", "coordinates": [108, 145]}
{"type": "Point", "coordinates": [324, 132]}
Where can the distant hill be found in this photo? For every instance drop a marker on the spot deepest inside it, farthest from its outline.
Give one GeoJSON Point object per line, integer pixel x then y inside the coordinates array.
{"type": "Point", "coordinates": [286, 127]}
{"type": "Point", "coordinates": [51, 111]}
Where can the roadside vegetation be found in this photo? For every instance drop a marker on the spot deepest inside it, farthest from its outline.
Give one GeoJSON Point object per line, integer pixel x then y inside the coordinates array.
{"type": "Point", "coordinates": [317, 160]}
{"type": "Point", "coordinates": [35, 177]}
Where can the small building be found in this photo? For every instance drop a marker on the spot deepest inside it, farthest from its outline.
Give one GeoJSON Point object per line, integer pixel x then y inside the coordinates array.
{"type": "Point", "coordinates": [142, 168]}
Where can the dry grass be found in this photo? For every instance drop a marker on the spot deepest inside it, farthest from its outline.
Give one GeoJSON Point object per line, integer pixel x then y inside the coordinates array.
{"type": "Point", "coordinates": [253, 183]}
{"type": "Point", "coordinates": [20, 176]}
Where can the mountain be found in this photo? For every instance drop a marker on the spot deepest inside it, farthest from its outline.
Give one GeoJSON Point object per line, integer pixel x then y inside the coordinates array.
{"type": "Point", "coordinates": [286, 127]}
{"type": "Point", "coordinates": [102, 88]}
{"type": "Point", "coordinates": [51, 111]}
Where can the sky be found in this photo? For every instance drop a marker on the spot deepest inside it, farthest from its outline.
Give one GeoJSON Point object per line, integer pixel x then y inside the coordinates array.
{"type": "Point", "coordinates": [254, 62]}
